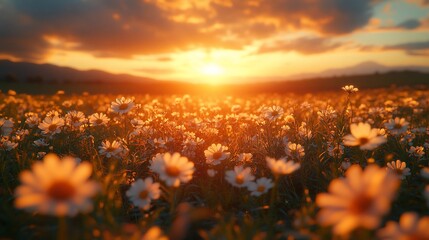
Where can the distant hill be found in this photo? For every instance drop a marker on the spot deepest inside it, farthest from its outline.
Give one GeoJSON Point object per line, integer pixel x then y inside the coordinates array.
{"type": "Point", "coordinates": [368, 67]}
{"type": "Point", "coordinates": [36, 73]}
{"type": "Point", "coordinates": [23, 77]}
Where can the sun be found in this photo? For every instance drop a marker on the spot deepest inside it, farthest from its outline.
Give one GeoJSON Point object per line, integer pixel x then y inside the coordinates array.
{"type": "Point", "coordinates": [212, 69]}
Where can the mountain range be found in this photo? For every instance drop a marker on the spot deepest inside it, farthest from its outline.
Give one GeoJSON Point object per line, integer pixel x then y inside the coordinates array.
{"type": "Point", "coordinates": [24, 71]}
{"type": "Point", "coordinates": [368, 67]}
{"type": "Point", "coordinates": [47, 78]}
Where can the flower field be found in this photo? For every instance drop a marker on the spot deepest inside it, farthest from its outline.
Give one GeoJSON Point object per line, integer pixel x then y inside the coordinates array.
{"type": "Point", "coordinates": [348, 164]}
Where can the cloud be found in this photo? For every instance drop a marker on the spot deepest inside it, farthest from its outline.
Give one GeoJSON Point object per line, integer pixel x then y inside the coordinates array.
{"type": "Point", "coordinates": [412, 48]}
{"type": "Point", "coordinates": [303, 45]}
{"type": "Point", "coordinates": [156, 70]}
{"type": "Point", "coordinates": [409, 24]}
{"type": "Point", "coordinates": [112, 28]}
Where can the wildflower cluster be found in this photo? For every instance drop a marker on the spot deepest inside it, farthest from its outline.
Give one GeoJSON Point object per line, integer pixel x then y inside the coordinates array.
{"type": "Point", "coordinates": [184, 167]}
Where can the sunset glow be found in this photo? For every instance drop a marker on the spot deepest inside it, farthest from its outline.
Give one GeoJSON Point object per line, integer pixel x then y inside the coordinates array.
{"type": "Point", "coordinates": [183, 40]}
{"type": "Point", "coordinates": [212, 69]}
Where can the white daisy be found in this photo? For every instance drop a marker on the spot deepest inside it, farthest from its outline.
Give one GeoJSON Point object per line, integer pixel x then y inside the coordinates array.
{"type": "Point", "coordinates": [261, 186]}
{"type": "Point", "coordinates": [239, 177]}
{"type": "Point", "coordinates": [173, 169]}
{"type": "Point", "coordinates": [282, 166]}
{"type": "Point", "coordinates": [142, 192]}
{"type": "Point", "coordinates": [56, 187]}
{"type": "Point", "coordinates": [216, 153]}
{"type": "Point", "coordinates": [363, 136]}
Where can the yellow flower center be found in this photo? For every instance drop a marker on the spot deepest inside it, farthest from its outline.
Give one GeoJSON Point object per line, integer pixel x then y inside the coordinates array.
{"type": "Point", "coordinates": [144, 194]}
{"type": "Point", "coordinates": [274, 113]}
{"type": "Point", "coordinates": [261, 188]}
{"type": "Point", "coordinates": [61, 190]}
{"type": "Point", "coordinates": [398, 171]}
{"type": "Point", "coordinates": [75, 119]}
{"type": "Point", "coordinates": [52, 127]}
{"type": "Point", "coordinates": [110, 149]}
{"type": "Point", "coordinates": [363, 140]}
{"type": "Point", "coordinates": [172, 171]}
{"type": "Point", "coordinates": [123, 106]}
{"type": "Point", "coordinates": [217, 155]}
{"type": "Point", "coordinates": [361, 204]}
{"type": "Point", "coordinates": [397, 126]}
{"type": "Point", "coordinates": [98, 121]}
{"type": "Point", "coordinates": [239, 179]}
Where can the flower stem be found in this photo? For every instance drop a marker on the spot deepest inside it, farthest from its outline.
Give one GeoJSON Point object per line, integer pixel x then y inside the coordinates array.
{"type": "Point", "coordinates": [62, 228]}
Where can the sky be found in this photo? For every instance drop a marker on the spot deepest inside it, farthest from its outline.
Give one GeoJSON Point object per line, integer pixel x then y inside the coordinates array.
{"type": "Point", "coordinates": [215, 40]}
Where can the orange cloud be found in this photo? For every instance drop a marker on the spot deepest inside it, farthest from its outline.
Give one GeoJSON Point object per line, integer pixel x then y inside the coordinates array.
{"type": "Point", "coordinates": [123, 29]}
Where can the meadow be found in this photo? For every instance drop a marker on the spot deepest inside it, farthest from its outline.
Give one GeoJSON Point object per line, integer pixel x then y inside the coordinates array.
{"type": "Point", "coordinates": [345, 164]}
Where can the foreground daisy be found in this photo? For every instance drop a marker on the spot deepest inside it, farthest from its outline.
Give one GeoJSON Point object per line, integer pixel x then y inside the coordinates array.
{"type": "Point", "coordinates": [409, 227]}
{"type": "Point", "coordinates": [364, 136]}
{"type": "Point", "coordinates": [358, 200]}
{"type": "Point", "coordinates": [142, 192]}
{"type": "Point", "coordinates": [56, 187]}
{"type": "Point", "coordinates": [239, 177]}
{"type": "Point", "coordinates": [399, 168]}
{"type": "Point", "coordinates": [261, 186]}
{"type": "Point", "coordinates": [216, 153]}
{"type": "Point", "coordinates": [282, 166]}
{"type": "Point", "coordinates": [173, 169]}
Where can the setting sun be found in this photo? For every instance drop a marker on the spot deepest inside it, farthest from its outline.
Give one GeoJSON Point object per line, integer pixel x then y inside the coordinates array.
{"type": "Point", "coordinates": [212, 69]}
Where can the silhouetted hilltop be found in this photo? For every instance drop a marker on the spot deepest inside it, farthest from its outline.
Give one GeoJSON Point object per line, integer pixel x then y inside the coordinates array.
{"type": "Point", "coordinates": [47, 79]}
{"type": "Point", "coordinates": [49, 73]}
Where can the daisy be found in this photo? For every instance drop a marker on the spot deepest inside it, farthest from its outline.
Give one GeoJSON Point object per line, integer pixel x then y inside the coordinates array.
{"type": "Point", "coordinates": [418, 151]}
{"type": "Point", "coordinates": [397, 126]}
{"type": "Point", "coordinates": [51, 125]}
{"type": "Point", "coordinates": [239, 177]}
{"type": "Point", "coordinates": [358, 200]}
{"type": "Point", "coordinates": [6, 127]}
{"type": "Point", "coordinates": [56, 187]}
{"type": "Point", "coordinates": [122, 105]}
{"type": "Point", "coordinates": [172, 168]}
{"type": "Point", "coordinates": [350, 89]}
{"type": "Point", "coordinates": [282, 166]}
{"type": "Point", "coordinates": [216, 153]}
{"type": "Point", "coordinates": [98, 119]}
{"type": "Point", "coordinates": [7, 144]}
{"type": "Point", "coordinates": [40, 143]}
{"type": "Point", "coordinates": [109, 150]}
{"type": "Point", "coordinates": [399, 168]}
{"type": "Point", "coordinates": [362, 135]}
{"type": "Point", "coordinates": [142, 192]}
{"type": "Point", "coordinates": [273, 112]}
{"type": "Point", "coordinates": [75, 118]}
{"type": "Point", "coordinates": [261, 186]}
{"type": "Point", "coordinates": [245, 157]}
{"type": "Point", "coordinates": [409, 227]}
{"type": "Point", "coordinates": [32, 121]}
{"type": "Point", "coordinates": [295, 150]}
